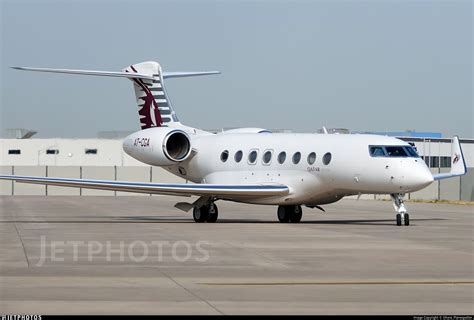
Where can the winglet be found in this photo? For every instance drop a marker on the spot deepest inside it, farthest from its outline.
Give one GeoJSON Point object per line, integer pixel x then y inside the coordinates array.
{"type": "Point", "coordinates": [458, 164]}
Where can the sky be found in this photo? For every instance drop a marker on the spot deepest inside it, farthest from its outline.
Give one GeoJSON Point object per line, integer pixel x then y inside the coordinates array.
{"type": "Point", "coordinates": [299, 65]}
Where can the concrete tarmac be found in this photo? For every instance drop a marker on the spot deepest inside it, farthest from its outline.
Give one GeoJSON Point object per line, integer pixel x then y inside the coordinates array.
{"type": "Point", "coordinates": [139, 255]}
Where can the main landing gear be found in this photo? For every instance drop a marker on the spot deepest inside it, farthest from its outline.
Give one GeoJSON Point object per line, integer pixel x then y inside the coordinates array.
{"type": "Point", "coordinates": [402, 215]}
{"type": "Point", "coordinates": [289, 214]}
{"type": "Point", "coordinates": [206, 213]}
{"type": "Point", "coordinates": [209, 213]}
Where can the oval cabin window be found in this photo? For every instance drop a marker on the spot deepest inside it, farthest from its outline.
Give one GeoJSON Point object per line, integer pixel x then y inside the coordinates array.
{"type": "Point", "coordinates": [281, 157]}
{"type": "Point", "coordinates": [311, 158]}
{"type": "Point", "coordinates": [224, 155]}
{"type": "Point", "coordinates": [267, 157]}
{"type": "Point", "coordinates": [252, 157]}
{"type": "Point", "coordinates": [327, 158]}
{"type": "Point", "coordinates": [238, 156]}
{"type": "Point", "coordinates": [297, 157]}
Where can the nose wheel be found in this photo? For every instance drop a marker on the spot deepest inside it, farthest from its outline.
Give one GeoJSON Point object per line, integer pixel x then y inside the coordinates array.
{"type": "Point", "coordinates": [402, 216]}
{"type": "Point", "coordinates": [206, 213]}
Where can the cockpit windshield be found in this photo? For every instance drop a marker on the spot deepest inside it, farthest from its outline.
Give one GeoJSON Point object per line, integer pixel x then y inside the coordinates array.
{"type": "Point", "coordinates": [396, 151]}
{"type": "Point", "coordinates": [393, 151]}
{"type": "Point", "coordinates": [412, 152]}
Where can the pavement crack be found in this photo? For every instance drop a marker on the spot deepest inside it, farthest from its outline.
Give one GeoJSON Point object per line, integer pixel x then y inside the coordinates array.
{"type": "Point", "coordinates": [22, 245]}
{"type": "Point", "coordinates": [191, 292]}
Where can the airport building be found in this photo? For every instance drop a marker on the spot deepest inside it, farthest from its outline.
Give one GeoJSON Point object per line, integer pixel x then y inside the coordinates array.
{"type": "Point", "coordinates": [103, 158]}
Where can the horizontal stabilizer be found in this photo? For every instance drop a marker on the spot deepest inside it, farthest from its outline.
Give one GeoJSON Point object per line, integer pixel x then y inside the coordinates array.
{"type": "Point", "coordinates": [167, 75]}
{"type": "Point", "coordinates": [90, 72]}
{"type": "Point", "coordinates": [154, 106]}
{"type": "Point", "coordinates": [130, 75]}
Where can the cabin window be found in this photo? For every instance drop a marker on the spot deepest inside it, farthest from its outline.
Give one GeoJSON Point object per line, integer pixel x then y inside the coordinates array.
{"type": "Point", "coordinates": [238, 156]}
{"type": "Point", "coordinates": [91, 151]}
{"type": "Point", "coordinates": [14, 151]}
{"type": "Point", "coordinates": [311, 158]}
{"type": "Point", "coordinates": [224, 155]}
{"type": "Point", "coordinates": [267, 157]}
{"type": "Point", "coordinates": [253, 156]}
{"type": "Point", "coordinates": [296, 157]}
{"type": "Point", "coordinates": [281, 157]}
{"type": "Point", "coordinates": [327, 158]}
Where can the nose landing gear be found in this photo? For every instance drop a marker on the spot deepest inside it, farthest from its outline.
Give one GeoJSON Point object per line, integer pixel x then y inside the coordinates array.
{"type": "Point", "coordinates": [402, 215]}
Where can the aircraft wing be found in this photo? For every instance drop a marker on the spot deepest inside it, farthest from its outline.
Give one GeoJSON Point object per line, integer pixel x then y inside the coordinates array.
{"type": "Point", "coordinates": [458, 164]}
{"type": "Point", "coordinates": [177, 189]}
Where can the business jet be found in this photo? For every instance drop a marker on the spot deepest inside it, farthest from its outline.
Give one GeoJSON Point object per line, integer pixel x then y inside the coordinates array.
{"type": "Point", "coordinates": [254, 165]}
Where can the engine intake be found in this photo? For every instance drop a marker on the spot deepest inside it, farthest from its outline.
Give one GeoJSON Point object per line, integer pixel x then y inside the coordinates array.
{"type": "Point", "coordinates": [177, 146]}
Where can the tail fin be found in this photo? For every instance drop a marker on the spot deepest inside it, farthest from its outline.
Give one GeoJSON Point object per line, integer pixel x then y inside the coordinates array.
{"type": "Point", "coordinates": [154, 106]}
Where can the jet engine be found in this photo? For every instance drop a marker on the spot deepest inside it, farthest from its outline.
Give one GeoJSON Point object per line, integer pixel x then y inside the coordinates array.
{"type": "Point", "coordinates": [158, 146]}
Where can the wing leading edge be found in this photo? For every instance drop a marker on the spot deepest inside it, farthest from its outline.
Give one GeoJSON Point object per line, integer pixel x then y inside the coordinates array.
{"type": "Point", "coordinates": [227, 190]}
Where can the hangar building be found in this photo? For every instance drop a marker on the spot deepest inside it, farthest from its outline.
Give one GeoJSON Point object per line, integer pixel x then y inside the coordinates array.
{"type": "Point", "coordinates": [104, 158]}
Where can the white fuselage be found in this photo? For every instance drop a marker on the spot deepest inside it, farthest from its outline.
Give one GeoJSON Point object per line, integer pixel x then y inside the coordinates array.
{"type": "Point", "coordinates": [351, 169]}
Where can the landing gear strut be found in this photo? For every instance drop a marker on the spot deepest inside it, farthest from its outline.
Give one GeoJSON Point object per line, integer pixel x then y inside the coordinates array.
{"type": "Point", "coordinates": [402, 215]}
{"type": "Point", "coordinates": [208, 213]}
{"type": "Point", "coordinates": [289, 214]}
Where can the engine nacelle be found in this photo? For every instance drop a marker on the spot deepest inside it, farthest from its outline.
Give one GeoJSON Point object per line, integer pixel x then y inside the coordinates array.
{"type": "Point", "coordinates": [158, 146]}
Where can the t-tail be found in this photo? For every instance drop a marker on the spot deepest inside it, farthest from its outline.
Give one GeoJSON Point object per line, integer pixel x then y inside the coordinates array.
{"type": "Point", "coordinates": [154, 105]}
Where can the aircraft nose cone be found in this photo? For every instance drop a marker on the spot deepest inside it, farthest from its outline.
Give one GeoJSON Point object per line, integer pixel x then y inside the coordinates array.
{"type": "Point", "coordinates": [423, 178]}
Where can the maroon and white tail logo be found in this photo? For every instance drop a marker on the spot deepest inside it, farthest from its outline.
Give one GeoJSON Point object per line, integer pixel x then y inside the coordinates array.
{"type": "Point", "coordinates": [456, 158]}
{"type": "Point", "coordinates": [154, 107]}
